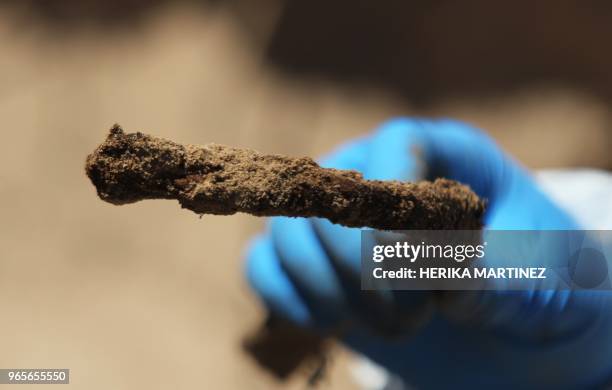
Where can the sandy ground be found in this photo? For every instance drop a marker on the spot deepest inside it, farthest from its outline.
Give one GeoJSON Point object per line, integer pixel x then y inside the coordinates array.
{"type": "Point", "coordinates": [149, 296]}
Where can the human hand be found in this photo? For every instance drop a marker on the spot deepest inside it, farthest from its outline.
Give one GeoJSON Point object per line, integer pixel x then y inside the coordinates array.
{"type": "Point", "coordinates": [308, 270]}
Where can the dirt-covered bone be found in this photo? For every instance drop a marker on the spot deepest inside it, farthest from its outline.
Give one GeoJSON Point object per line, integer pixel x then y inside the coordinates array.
{"type": "Point", "coordinates": [216, 179]}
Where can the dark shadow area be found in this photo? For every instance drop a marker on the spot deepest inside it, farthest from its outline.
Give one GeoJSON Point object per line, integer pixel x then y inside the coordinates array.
{"type": "Point", "coordinates": [429, 49]}
{"type": "Point", "coordinates": [421, 49]}
{"type": "Point", "coordinates": [256, 19]}
{"type": "Point", "coordinates": [110, 13]}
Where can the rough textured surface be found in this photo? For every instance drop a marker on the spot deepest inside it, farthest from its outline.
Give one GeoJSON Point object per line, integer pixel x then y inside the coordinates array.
{"type": "Point", "coordinates": [216, 179]}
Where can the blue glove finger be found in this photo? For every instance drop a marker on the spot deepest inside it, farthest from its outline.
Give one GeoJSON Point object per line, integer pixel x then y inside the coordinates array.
{"type": "Point", "coordinates": [266, 276]}
{"type": "Point", "coordinates": [395, 151]}
{"type": "Point", "coordinates": [307, 265]}
{"type": "Point", "coordinates": [460, 152]}
{"type": "Point", "coordinates": [352, 155]}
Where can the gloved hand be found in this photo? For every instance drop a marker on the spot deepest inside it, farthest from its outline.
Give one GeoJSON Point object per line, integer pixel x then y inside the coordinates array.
{"type": "Point", "coordinates": [308, 270]}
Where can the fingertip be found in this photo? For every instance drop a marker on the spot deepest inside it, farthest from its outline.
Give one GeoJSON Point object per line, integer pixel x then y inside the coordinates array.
{"type": "Point", "coordinates": [266, 276]}
{"type": "Point", "coordinates": [341, 243]}
{"type": "Point", "coordinates": [305, 261]}
{"type": "Point", "coordinates": [394, 151]}
{"type": "Point", "coordinates": [459, 151]}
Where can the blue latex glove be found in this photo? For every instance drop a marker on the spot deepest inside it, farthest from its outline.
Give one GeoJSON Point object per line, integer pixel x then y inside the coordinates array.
{"type": "Point", "coordinates": [307, 270]}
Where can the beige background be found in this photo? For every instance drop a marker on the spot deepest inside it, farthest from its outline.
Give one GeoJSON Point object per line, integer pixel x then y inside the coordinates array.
{"type": "Point", "coordinates": [149, 296]}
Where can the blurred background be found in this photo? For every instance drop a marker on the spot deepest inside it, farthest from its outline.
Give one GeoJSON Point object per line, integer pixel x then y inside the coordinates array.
{"type": "Point", "coordinates": [149, 296]}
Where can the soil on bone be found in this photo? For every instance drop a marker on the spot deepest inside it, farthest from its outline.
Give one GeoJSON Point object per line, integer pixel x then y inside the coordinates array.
{"type": "Point", "coordinates": [217, 179]}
